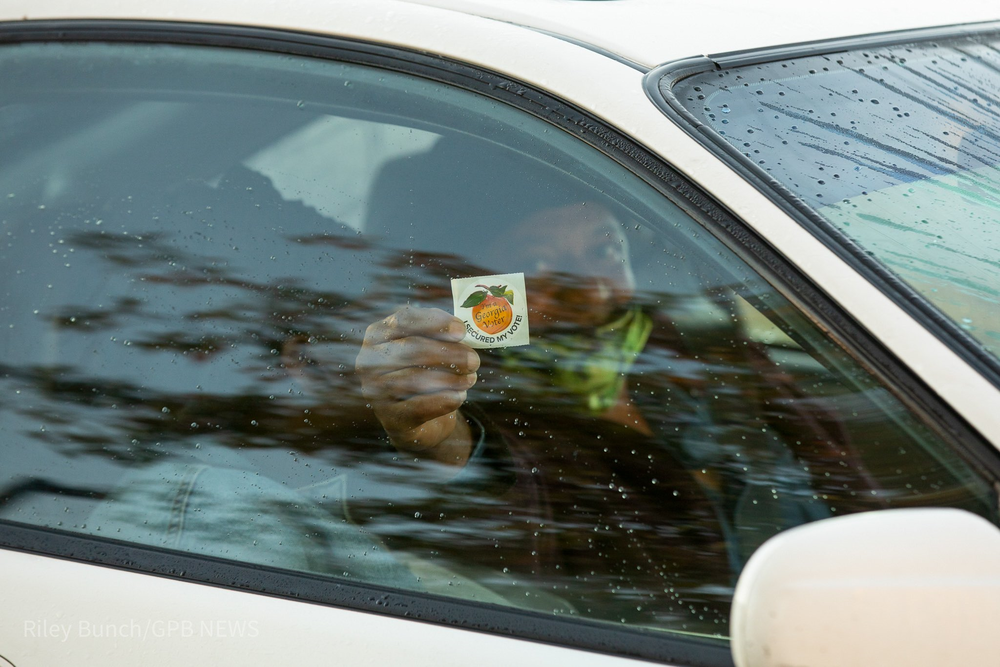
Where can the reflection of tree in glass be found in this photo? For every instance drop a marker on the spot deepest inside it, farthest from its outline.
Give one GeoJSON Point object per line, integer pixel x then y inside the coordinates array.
{"type": "Point", "coordinates": [169, 300]}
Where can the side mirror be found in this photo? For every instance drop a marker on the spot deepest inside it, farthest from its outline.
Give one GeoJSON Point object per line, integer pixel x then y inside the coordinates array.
{"type": "Point", "coordinates": [910, 587]}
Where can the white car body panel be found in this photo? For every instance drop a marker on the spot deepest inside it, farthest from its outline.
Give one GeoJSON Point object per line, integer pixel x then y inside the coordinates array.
{"type": "Point", "coordinates": [651, 32]}
{"type": "Point", "coordinates": [74, 614]}
{"type": "Point", "coordinates": [648, 32]}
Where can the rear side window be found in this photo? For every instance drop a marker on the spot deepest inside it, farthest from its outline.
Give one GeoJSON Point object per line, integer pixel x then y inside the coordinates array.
{"type": "Point", "coordinates": [896, 147]}
{"type": "Point", "coordinates": [226, 284]}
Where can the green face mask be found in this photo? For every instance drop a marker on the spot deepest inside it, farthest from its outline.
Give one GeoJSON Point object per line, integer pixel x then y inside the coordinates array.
{"type": "Point", "coordinates": [589, 368]}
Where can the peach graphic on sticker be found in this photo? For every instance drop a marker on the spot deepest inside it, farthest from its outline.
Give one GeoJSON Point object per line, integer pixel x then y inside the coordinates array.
{"type": "Point", "coordinates": [493, 308]}
{"type": "Point", "coordinates": [491, 311]}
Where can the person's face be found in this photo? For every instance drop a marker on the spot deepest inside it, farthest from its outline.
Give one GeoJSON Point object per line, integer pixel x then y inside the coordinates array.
{"type": "Point", "coordinates": [577, 267]}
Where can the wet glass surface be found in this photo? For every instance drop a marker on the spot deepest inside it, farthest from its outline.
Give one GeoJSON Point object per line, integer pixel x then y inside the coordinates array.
{"type": "Point", "coordinates": [190, 268]}
{"type": "Point", "coordinates": [897, 147]}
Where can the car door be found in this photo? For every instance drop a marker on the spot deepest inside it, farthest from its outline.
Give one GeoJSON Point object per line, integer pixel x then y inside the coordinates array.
{"type": "Point", "coordinates": [203, 232]}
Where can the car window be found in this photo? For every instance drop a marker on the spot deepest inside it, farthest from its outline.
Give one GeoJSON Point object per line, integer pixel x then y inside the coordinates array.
{"type": "Point", "coordinates": [209, 257]}
{"type": "Point", "coordinates": [897, 147]}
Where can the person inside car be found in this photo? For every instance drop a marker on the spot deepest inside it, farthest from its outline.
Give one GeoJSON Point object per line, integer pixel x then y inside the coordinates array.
{"type": "Point", "coordinates": [612, 451]}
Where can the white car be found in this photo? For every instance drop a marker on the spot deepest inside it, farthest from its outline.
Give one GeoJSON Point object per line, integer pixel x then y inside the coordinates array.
{"type": "Point", "coordinates": [452, 332]}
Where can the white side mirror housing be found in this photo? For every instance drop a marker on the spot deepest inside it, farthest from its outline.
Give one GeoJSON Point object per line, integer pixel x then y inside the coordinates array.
{"type": "Point", "coordinates": [914, 587]}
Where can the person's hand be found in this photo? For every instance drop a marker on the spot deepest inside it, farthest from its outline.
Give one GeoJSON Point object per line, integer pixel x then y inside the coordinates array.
{"type": "Point", "coordinates": [415, 374]}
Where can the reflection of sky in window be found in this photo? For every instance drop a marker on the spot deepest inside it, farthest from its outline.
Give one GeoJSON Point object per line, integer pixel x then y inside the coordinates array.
{"type": "Point", "coordinates": [331, 163]}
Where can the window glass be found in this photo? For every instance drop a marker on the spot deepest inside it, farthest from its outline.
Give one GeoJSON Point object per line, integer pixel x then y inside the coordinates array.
{"type": "Point", "coordinates": [897, 147]}
{"type": "Point", "coordinates": [227, 297]}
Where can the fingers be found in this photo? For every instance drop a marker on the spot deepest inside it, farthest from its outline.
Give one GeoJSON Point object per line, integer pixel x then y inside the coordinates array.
{"type": "Point", "coordinates": [409, 321]}
{"type": "Point", "coordinates": [408, 382]}
{"type": "Point", "coordinates": [416, 374]}
{"type": "Point", "coordinates": [419, 352]}
{"type": "Point", "coordinates": [416, 338]}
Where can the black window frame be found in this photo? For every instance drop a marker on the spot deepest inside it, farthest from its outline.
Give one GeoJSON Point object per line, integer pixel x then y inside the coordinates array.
{"type": "Point", "coordinates": [659, 83]}
{"type": "Point", "coordinates": [572, 633]}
